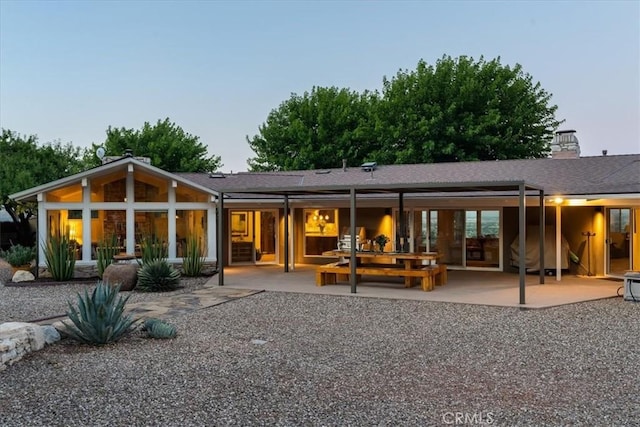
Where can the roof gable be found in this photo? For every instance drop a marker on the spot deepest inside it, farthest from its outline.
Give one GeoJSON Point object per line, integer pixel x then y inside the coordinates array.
{"type": "Point", "coordinates": [105, 169]}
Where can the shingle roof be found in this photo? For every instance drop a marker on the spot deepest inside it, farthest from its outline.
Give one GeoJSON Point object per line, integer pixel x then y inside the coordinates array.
{"type": "Point", "coordinates": [615, 174]}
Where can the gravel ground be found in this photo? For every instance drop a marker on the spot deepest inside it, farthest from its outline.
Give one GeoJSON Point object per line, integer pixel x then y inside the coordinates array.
{"type": "Point", "coordinates": [331, 360]}
{"type": "Point", "coordinates": [24, 304]}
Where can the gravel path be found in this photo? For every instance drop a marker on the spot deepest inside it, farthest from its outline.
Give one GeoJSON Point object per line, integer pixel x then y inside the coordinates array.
{"type": "Point", "coordinates": [333, 360]}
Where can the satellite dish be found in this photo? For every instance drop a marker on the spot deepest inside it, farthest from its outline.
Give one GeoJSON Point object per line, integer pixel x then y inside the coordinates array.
{"type": "Point", "coordinates": [100, 152]}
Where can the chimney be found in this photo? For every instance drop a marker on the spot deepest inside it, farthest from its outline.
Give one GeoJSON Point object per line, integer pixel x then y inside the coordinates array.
{"type": "Point", "coordinates": [128, 152]}
{"type": "Point", "coordinates": [565, 145]}
{"type": "Point", "coordinates": [344, 165]}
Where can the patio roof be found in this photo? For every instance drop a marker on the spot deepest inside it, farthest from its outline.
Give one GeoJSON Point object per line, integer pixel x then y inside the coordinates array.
{"type": "Point", "coordinates": [295, 186]}
{"type": "Point", "coordinates": [384, 188]}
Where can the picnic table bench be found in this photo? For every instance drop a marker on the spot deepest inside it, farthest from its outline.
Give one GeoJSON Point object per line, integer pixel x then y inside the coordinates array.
{"type": "Point", "coordinates": [429, 275]}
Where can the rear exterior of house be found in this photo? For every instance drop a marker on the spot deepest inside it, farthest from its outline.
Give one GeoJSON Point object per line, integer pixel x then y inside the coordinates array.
{"type": "Point", "coordinates": [592, 202]}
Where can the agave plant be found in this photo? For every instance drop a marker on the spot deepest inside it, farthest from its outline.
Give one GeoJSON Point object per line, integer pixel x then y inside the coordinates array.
{"type": "Point", "coordinates": [193, 260]}
{"type": "Point", "coordinates": [158, 276]}
{"type": "Point", "coordinates": [157, 328]}
{"type": "Point", "coordinates": [106, 249]}
{"type": "Point", "coordinates": [59, 253]}
{"type": "Point", "coordinates": [99, 318]}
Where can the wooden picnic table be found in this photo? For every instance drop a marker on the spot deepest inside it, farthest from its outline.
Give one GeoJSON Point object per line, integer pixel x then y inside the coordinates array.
{"type": "Point", "coordinates": [409, 260]}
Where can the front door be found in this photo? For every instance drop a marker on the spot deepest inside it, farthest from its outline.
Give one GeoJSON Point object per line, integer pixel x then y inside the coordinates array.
{"type": "Point", "coordinates": [619, 240]}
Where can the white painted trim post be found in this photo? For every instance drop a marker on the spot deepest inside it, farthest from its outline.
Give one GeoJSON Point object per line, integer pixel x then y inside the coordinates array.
{"type": "Point", "coordinates": [171, 221]}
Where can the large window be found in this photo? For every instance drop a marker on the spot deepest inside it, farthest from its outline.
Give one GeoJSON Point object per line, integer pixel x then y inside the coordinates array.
{"type": "Point", "coordinates": [107, 225]}
{"type": "Point", "coordinates": [186, 194]}
{"type": "Point", "coordinates": [149, 188]}
{"type": "Point", "coordinates": [69, 223]}
{"type": "Point", "coordinates": [151, 228]}
{"type": "Point", "coordinates": [320, 231]}
{"type": "Point", "coordinates": [190, 224]}
{"type": "Point", "coordinates": [109, 188]}
{"type": "Point", "coordinates": [72, 193]}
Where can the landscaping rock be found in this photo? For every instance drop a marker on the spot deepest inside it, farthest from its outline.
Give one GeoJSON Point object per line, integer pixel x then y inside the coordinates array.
{"type": "Point", "coordinates": [51, 334]}
{"type": "Point", "coordinates": [6, 272]}
{"type": "Point", "coordinates": [124, 274]}
{"type": "Point", "coordinates": [23, 276]}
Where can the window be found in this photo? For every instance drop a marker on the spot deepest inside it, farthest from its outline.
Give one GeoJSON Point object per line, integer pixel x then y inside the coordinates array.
{"type": "Point", "coordinates": [320, 231]}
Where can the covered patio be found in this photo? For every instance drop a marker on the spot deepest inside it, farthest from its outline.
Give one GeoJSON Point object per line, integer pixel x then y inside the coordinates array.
{"type": "Point", "coordinates": [466, 287]}
{"type": "Point", "coordinates": [519, 190]}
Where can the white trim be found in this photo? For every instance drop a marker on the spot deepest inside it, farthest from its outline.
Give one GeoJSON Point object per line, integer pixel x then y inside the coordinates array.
{"type": "Point", "coordinates": [171, 222]}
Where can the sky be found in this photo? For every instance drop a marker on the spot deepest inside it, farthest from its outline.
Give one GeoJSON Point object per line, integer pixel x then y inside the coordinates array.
{"type": "Point", "coordinates": [69, 70]}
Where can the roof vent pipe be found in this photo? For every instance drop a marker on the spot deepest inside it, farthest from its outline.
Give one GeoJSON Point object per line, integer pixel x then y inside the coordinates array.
{"type": "Point", "coordinates": [604, 152]}
{"type": "Point", "coordinates": [128, 152]}
{"type": "Point", "coordinates": [344, 165]}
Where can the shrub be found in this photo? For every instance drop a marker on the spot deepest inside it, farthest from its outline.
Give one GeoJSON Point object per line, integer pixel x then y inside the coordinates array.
{"type": "Point", "coordinates": [157, 328]}
{"type": "Point", "coordinates": [158, 276]}
{"type": "Point", "coordinates": [193, 260]}
{"type": "Point", "coordinates": [99, 318]}
{"type": "Point", "coordinates": [152, 250]}
{"type": "Point", "coordinates": [106, 249]}
{"type": "Point", "coordinates": [59, 254]}
{"type": "Point", "coordinates": [18, 255]}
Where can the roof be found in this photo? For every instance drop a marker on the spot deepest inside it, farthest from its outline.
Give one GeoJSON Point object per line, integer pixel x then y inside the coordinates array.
{"type": "Point", "coordinates": [599, 175]}
{"type": "Point", "coordinates": [31, 193]}
{"type": "Point", "coordinates": [614, 174]}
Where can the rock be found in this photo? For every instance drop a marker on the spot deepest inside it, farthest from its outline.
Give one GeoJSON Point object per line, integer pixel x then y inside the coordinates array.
{"type": "Point", "coordinates": [124, 274]}
{"type": "Point", "coordinates": [23, 276]}
{"type": "Point", "coordinates": [27, 332]}
{"type": "Point", "coordinates": [6, 272]}
{"type": "Point", "coordinates": [51, 334]}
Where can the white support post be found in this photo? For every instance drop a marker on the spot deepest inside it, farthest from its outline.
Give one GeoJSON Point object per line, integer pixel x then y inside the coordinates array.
{"type": "Point", "coordinates": [171, 223]}
{"type": "Point", "coordinates": [43, 230]}
{"type": "Point", "coordinates": [130, 212]}
{"type": "Point", "coordinates": [86, 221]}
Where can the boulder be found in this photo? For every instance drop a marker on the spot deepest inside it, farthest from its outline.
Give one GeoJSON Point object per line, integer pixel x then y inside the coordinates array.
{"type": "Point", "coordinates": [6, 272]}
{"type": "Point", "coordinates": [23, 276]}
{"type": "Point", "coordinates": [51, 334]}
{"type": "Point", "coordinates": [126, 275]}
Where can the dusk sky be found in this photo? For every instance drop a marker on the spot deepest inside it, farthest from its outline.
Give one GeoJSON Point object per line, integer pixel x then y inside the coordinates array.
{"type": "Point", "coordinates": [68, 70]}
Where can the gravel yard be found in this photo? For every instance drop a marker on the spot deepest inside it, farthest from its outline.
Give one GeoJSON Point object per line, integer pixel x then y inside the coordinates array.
{"type": "Point", "coordinates": [23, 304]}
{"type": "Point", "coordinates": [333, 360]}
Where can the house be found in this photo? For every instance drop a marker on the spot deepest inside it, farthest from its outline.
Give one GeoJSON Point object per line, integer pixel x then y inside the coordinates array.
{"type": "Point", "coordinates": [470, 212]}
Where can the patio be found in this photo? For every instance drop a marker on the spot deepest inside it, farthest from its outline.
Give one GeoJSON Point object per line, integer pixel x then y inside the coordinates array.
{"type": "Point", "coordinates": [467, 287]}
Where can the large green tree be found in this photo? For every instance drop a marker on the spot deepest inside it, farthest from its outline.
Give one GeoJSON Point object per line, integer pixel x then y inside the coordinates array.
{"type": "Point", "coordinates": [315, 130]}
{"type": "Point", "coordinates": [167, 145]}
{"type": "Point", "coordinates": [457, 110]}
{"type": "Point", "coordinates": [25, 164]}
{"type": "Point", "coordinates": [464, 110]}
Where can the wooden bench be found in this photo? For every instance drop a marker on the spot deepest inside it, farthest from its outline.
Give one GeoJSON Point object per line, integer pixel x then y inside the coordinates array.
{"type": "Point", "coordinates": [429, 276]}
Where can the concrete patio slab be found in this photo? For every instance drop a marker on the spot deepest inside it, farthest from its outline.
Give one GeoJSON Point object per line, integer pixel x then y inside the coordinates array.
{"type": "Point", "coordinates": [467, 287]}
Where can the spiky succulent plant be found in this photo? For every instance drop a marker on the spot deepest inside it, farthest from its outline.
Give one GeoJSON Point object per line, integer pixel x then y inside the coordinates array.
{"type": "Point", "coordinates": [157, 328]}
{"type": "Point", "coordinates": [158, 276]}
{"type": "Point", "coordinates": [99, 318]}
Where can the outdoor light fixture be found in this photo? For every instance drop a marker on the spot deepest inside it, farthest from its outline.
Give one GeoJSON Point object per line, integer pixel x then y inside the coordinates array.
{"type": "Point", "coordinates": [558, 200]}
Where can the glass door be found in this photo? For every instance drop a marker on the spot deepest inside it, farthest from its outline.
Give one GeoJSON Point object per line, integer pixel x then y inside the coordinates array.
{"type": "Point", "coordinates": [446, 234]}
{"type": "Point", "coordinates": [482, 243]}
{"type": "Point", "coordinates": [254, 236]}
{"type": "Point", "coordinates": [267, 233]}
{"type": "Point", "coordinates": [619, 233]}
